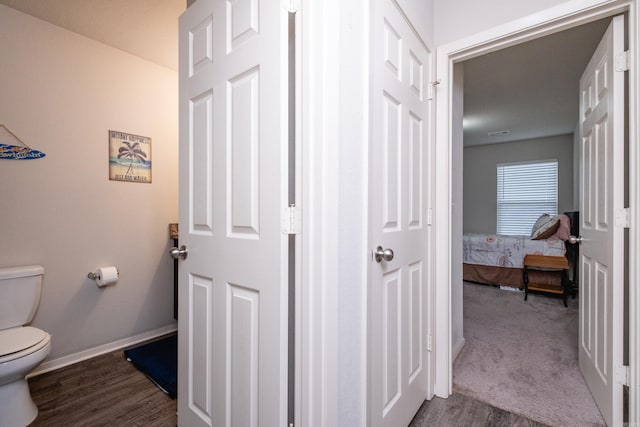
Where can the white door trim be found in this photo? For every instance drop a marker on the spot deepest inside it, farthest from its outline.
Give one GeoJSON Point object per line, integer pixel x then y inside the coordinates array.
{"type": "Point", "coordinates": [319, 129]}
{"type": "Point", "coordinates": [317, 126]}
{"type": "Point", "coordinates": [563, 16]}
{"type": "Point", "coordinates": [634, 207]}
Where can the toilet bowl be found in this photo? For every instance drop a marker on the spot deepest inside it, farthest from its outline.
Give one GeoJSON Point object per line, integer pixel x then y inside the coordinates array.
{"type": "Point", "coordinates": [22, 348]}
{"type": "Point", "coordinates": [16, 406]}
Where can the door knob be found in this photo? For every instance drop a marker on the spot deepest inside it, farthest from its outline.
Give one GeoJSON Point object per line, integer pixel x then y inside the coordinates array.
{"type": "Point", "coordinates": [179, 253]}
{"type": "Point", "coordinates": [573, 239]}
{"type": "Point", "coordinates": [383, 254]}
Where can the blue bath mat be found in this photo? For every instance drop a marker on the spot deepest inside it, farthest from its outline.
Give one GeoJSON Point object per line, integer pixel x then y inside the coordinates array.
{"type": "Point", "coordinates": [159, 361]}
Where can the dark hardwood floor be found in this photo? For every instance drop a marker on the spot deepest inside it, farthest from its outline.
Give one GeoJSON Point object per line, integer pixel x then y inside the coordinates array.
{"type": "Point", "coordinates": [109, 391]}
{"type": "Point", "coordinates": [460, 410]}
{"type": "Point", "coordinates": [103, 391]}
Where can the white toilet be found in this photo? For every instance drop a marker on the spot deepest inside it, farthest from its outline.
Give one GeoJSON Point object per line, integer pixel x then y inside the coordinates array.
{"type": "Point", "coordinates": [22, 348]}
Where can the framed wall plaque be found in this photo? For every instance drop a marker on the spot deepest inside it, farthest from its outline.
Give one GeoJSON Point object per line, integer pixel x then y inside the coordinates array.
{"type": "Point", "coordinates": [129, 157]}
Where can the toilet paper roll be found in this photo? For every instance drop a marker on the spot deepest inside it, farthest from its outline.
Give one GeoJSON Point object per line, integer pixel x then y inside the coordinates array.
{"type": "Point", "coordinates": [106, 276]}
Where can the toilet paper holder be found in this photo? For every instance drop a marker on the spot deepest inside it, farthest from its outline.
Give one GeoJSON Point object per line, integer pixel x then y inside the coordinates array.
{"type": "Point", "coordinates": [95, 275]}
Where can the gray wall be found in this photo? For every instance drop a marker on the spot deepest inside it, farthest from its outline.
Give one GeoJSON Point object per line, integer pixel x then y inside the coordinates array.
{"type": "Point", "coordinates": [480, 176]}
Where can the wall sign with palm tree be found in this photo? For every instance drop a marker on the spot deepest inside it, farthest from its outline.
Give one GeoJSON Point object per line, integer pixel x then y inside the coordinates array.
{"type": "Point", "coordinates": [129, 157]}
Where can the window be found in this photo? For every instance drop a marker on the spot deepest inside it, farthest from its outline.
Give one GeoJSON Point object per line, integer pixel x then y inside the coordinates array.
{"type": "Point", "coordinates": [525, 191]}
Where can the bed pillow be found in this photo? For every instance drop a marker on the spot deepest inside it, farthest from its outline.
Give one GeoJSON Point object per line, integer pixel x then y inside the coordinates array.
{"type": "Point", "coordinates": [542, 220]}
{"type": "Point", "coordinates": [545, 227]}
{"type": "Point", "coordinates": [564, 229]}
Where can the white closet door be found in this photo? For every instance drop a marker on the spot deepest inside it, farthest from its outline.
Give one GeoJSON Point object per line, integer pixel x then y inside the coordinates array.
{"type": "Point", "coordinates": [233, 187]}
{"type": "Point", "coordinates": [399, 170]}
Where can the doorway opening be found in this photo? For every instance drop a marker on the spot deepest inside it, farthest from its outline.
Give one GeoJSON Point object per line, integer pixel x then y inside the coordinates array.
{"type": "Point", "coordinates": [507, 125]}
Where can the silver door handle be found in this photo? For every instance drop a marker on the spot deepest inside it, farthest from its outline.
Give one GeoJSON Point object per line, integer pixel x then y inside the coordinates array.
{"type": "Point", "coordinates": [573, 239]}
{"type": "Point", "coordinates": [383, 254]}
{"type": "Point", "coordinates": [179, 253]}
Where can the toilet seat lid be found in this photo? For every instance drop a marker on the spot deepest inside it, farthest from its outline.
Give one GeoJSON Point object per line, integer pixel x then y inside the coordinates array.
{"type": "Point", "coordinates": [17, 339]}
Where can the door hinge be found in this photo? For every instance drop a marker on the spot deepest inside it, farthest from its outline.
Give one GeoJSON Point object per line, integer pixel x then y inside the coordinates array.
{"type": "Point", "coordinates": [622, 61]}
{"type": "Point", "coordinates": [622, 218]}
{"type": "Point", "coordinates": [430, 216]}
{"type": "Point", "coordinates": [429, 342]}
{"type": "Point", "coordinates": [291, 6]}
{"type": "Point", "coordinates": [431, 88]}
{"type": "Point", "coordinates": [622, 375]}
{"type": "Point", "coordinates": [291, 220]}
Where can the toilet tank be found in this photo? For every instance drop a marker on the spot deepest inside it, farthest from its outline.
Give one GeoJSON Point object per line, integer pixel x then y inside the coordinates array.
{"type": "Point", "coordinates": [19, 294]}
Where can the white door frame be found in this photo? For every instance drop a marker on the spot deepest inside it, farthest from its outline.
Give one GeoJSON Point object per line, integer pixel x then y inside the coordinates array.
{"type": "Point", "coordinates": [561, 17]}
{"type": "Point", "coordinates": [331, 94]}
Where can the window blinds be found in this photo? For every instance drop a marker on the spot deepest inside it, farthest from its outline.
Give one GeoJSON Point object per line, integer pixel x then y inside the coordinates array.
{"type": "Point", "coordinates": [524, 192]}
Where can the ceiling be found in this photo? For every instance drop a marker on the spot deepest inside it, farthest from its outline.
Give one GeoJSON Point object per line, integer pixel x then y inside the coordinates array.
{"type": "Point", "coordinates": [530, 89]}
{"type": "Point", "coordinates": [145, 28]}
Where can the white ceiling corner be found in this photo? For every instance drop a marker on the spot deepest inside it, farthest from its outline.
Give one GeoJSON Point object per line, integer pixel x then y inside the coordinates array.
{"type": "Point", "coordinates": [144, 28]}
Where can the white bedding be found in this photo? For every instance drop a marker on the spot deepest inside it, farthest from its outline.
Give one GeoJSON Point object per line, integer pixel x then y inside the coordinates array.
{"type": "Point", "coordinates": [506, 251]}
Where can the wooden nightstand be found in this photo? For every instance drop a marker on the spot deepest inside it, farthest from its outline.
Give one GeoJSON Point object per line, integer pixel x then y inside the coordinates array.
{"type": "Point", "coordinates": [558, 264]}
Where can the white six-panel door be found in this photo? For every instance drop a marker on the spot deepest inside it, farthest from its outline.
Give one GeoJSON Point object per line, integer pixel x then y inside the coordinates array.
{"type": "Point", "coordinates": [233, 186]}
{"type": "Point", "coordinates": [601, 200]}
{"type": "Point", "coordinates": [400, 135]}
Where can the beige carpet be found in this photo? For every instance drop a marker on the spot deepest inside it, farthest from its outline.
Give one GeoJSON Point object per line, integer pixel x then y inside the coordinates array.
{"type": "Point", "coordinates": [522, 356]}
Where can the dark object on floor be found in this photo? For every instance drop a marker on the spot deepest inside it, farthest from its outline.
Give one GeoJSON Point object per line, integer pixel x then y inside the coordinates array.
{"type": "Point", "coordinates": [158, 360]}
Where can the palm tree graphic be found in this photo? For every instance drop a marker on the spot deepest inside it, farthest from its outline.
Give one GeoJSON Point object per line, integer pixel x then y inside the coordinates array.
{"type": "Point", "coordinates": [133, 152]}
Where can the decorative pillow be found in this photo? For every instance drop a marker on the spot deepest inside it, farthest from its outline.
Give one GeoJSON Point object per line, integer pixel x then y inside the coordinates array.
{"type": "Point", "coordinates": [542, 220]}
{"type": "Point", "coordinates": [545, 227]}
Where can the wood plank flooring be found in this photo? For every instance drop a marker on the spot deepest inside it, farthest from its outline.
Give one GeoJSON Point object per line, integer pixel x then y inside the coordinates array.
{"type": "Point", "coordinates": [109, 391]}
{"type": "Point", "coordinates": [103, 391]}
{"type": "Point", "coordinates": [460, 410]}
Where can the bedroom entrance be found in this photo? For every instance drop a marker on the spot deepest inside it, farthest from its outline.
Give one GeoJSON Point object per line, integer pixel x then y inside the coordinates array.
{"type": "Point", "coordinates": [513, 351]}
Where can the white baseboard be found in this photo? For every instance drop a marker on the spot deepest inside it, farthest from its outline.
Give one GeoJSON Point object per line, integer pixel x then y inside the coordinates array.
{"type": "Point", "coordinates": [61, 362]}
{"type": "Point", "coordinates": [458, 349]}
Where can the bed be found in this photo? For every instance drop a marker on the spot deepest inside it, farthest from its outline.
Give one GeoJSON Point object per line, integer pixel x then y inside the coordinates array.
{"type": "Point", "coordinates": [497, 260]}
